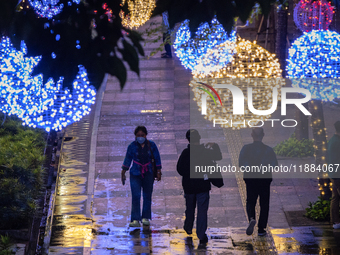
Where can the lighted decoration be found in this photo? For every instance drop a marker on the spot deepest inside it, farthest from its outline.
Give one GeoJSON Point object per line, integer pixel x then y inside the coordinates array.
{"type": "Point", "coordinates": [108, 12]}
{"type": "Point", "coordinates": [251, 67]}
{"type": "Point", "coordinates": [46, 106]}
{"type": "Point", "coordinates": [62, 107]}
{"type": "Point", "coordinates": [139, 12]}
{"type": "Point", "coordinates": [250, 61]}
{"type": "Point", "coordinates": [192, 51]}
{"type": "Point", "coordinates": [49, 8]}
{"type": "Point", "coordinates": [315, 57]}
{"type": "Point", "coordinates": [313, 15]}
{"type": "Point", "coordinates": [15, 70]}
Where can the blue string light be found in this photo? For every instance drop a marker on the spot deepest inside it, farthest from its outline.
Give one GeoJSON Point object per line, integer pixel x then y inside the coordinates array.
{"type": "Point", "coordinates": [46, 8]}
{"type": "Point", "coordinates": [315, 56]}
{"type": "Point", "coordinates": [46, 106]}
{"type": "Point", "coordinates": [15, 76]}
{"type": "Point", "coordinates": [49, 8]}
{"type": "Point", "coordinates": [192, 52]}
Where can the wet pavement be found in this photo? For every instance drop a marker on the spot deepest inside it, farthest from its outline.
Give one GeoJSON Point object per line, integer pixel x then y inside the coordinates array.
{"type": "Point", "coordinates": [92, 209]}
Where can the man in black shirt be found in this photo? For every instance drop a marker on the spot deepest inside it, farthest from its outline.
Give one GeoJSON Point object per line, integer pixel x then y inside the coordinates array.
{"type": "Point", "coordinates": [196, 190]}
{"type": "Point", "coordinates": [257, 184]}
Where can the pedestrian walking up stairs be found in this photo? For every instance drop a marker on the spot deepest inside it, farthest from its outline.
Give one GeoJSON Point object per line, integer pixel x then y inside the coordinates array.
{"type": "Point", "coordinates": [92, 208]}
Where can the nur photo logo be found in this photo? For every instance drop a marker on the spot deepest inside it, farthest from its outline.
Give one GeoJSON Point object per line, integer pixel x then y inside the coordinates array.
{"type": "Point", "coordinates": [249, 102]}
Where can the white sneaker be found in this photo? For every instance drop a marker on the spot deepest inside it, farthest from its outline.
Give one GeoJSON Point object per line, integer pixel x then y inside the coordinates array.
{"type": "Point", "coordinates": [134, 224]}
{"type": "Point", "coordinates": [145, 222]}
{"type": "Point", "coordinates": [250, 228]}
{"type": "Point", "coordinates": [336, 226]}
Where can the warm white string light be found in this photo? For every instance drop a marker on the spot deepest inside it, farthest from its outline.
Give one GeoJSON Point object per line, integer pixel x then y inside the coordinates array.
{"type": "Point", "coordinates": [139, 12]}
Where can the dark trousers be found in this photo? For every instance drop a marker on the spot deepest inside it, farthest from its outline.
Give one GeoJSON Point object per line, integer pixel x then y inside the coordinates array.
{"type": "Point", "coordinates": [138, 183]}
{"type": "Point", "coordinates": [335, 201]}
{"type": "Point", "coordinates": [202, 201]}
{"type": "Point", "coordinates": [167, 46]}
{"type": "Point", "coordinates": [258, 188]}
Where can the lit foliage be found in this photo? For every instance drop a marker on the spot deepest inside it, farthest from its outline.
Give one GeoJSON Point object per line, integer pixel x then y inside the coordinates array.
{"type": "Point", "coordinates": [15, 73]}
{"type": "Point", "coordinates": [315, 56]}
{"type": "Point", "coordinates": [21, 174]}
{"type": "Point", "coordinates": [139, 12]}
{"type": "Point", "coordinates": [319, 210]}
{"type": "Point", "coordinates": [49, 106]}
{"type": "Point", "coordinates": [48, 8]}
{"type": "Point", "coordinates": [313, 15]}
{"type": "Point", "coordinates": [251, 67]}
{"type": "Point", "coordinates": [193, 52]}
{"type": "Point", "coordinates": [84, 32]}
{"type": "Point", "coordinates": [293, 147]}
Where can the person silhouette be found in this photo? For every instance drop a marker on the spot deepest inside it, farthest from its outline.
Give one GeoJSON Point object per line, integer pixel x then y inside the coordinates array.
{"type": "Point", "coordinates": [196, 187]}
{"type": "Point", "coordinates": [140, 152]}
{"type": "Point", "coordinates": [257, 184]}
{"type": "Point", "coordinates": [333, 158]}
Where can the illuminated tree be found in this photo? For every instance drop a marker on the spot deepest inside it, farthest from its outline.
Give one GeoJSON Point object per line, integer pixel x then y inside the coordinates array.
{"type": "Point", "coordinates": [88, 32]}
{"type": "Point", "coordinates": [46, 106]}
{"type": "Point", "coordinates": [196, 53]}
{"type": "Point", "coordinates": [76, 33]}
{"type": "Point", "coordinates": [314, 64]}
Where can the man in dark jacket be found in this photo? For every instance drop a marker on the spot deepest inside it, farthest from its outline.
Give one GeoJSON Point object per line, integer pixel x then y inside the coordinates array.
{"type": "Point", "coordinates": [197, 185]}
{"type": "Point", "coordinates": [257, 184]}
{"type": "Point", "coordinates": [333, 159]}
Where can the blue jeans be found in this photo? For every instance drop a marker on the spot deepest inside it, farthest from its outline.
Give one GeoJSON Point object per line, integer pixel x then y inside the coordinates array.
{"type": "Point", "coordinates": [202, 201]}
{"type": "Point", "coordinates": [138, 183]}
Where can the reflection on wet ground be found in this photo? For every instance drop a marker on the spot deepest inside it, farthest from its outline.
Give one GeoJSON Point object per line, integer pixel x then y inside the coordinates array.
{"type": "Point", "coordinates": [147, 240]}
{"type": "Point", "coordinates": [72, 226]}
{"type": "Point", "coordinates": [307, 240]}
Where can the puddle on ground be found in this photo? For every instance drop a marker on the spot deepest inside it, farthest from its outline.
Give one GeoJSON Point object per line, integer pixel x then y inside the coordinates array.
{"type": "Point", "coordinates": [307, 240]}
